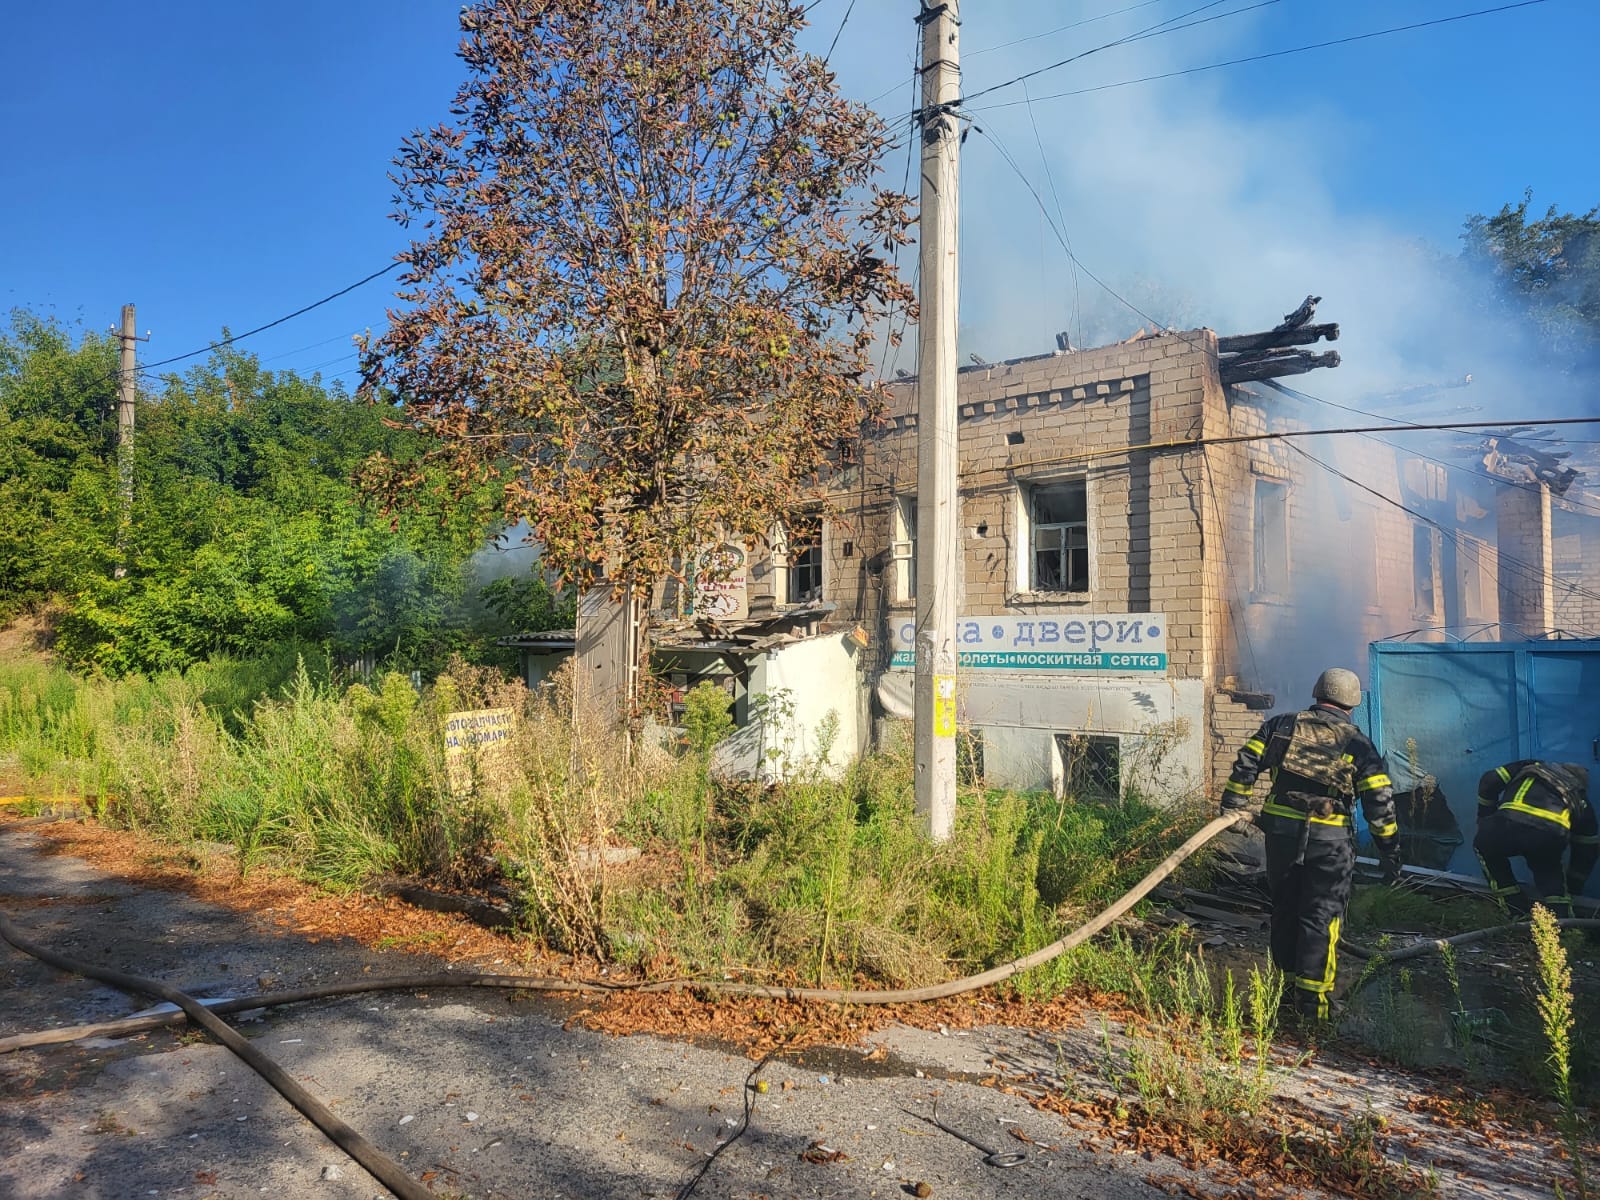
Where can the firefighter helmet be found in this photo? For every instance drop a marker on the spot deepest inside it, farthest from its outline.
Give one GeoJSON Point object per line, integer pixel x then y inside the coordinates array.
{"type": "Point", "coordinates": [1580, 773]}
{"type": "Point", "coordinates": [1338, 686]}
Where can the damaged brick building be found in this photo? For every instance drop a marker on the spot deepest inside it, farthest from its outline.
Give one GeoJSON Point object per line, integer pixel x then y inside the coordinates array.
{"type": "Point", "coordinates": [1146, 565]}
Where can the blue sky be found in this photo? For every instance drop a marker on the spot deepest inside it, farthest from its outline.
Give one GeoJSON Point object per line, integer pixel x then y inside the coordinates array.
{"type": "Point", "coordinates": [223, 164]}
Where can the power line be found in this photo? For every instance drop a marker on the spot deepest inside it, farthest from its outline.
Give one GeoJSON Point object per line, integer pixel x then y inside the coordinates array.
{"type": "Point", "coordinates": [338, 337]}
{"type": "Point", "coordinates": [833, 44]}
{"type": "Point", "coordinates": [1061, 237]}
{"type": "Point", "coordinates": [1281, 435]}
{"type": "Point", "coordinates": [905, 184]}
{"type": "Point", "coordinates": [1034, 37]}
{"type": "Point", "coordinates": [239, 337]}
{"type": "Point", "coordinates": [1075, 323]}
{"type": "Point", "coordinates": [1528, 570]}
{"type": "Point", "coordinates": [1234, 62]}
{"type": "Point", "coordinates": [1157, 30]}
{"type": "Point", "coordinates": [1415, 453]}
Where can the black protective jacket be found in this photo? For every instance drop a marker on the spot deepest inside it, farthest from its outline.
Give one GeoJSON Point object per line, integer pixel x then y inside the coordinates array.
{"type": "Point", "coordinates": [1544, 796]}
{"type": "Point", "coordinates": [1319, 764]}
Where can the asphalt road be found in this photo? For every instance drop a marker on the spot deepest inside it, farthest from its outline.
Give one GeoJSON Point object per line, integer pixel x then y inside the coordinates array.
{"type": "Point", "coordinates": [475, 1093]}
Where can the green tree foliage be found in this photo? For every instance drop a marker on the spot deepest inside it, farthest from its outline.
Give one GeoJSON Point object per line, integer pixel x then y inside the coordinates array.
{"type": "Point", "coordinates": [56, 426]}
{"type": "Point", "coordinates": [530, 605]}
{"type": "Point", "coordinates": [248, 532]}
{"type": "Point", "coordinates": [1546, 269]}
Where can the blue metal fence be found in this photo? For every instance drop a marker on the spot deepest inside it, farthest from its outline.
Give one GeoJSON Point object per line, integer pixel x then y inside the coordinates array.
{"type": "Point", "coordinates": [1449, 711]}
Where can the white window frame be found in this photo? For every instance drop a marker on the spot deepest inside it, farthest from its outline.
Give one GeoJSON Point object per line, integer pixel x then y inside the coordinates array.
{"type": "Point", "coordinates": [1026, 554]}
{"type": "Point", "coordinates": [1435, 582]}
{"type": "Point", "coordinates": [903, 549]}
{"type": "Point", "coordinates": [785, 570]}
{"type": "Point", "coordinates": [1266, 584]}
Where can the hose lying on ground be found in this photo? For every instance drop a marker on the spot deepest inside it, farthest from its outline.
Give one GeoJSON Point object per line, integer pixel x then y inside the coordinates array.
{"type": "Point", "coordinates": [1419, 948]}
{"type": "Point", "coordinates": [127, 1026]}
{"type": "Point", "coordinates": [382, 1168]}
{"type": "Point", "coordinates": [389, 1173]}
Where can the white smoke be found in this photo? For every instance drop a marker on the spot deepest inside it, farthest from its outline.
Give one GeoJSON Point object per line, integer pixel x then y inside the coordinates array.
{"type": "Point", "coordinates": [1193, 211]}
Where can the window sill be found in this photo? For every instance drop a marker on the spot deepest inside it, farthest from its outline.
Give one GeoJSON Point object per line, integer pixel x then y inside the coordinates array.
{"type": "Point", "coordinates": [1270, 598]}
{"type": "Point", "coordinates": [1050, 598]}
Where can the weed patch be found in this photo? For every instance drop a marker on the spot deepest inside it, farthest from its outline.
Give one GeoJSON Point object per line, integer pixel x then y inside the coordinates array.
{"type": "Point", "coordinates": [816, 880]}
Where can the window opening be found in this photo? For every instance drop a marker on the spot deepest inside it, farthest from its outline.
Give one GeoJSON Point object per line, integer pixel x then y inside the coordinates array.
{"type": "Point", "coordinates": [1060, 520]}
{"type": "Point", "coordinates": [1271, 538]}
{"type": "Point", "coordinates": [1090, 766]}
{"type": "Point", "coordinates": [805, 560]}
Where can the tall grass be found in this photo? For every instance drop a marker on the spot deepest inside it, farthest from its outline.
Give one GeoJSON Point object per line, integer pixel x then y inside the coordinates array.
{"type": "Point", "coordinates": [815, 880]}
{"type": "Point", "coordinates": [1553, 1001]}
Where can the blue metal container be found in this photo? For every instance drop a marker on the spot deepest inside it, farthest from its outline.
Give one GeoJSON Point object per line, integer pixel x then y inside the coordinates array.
{"type": "Point", "coordinates": [1449, 711]}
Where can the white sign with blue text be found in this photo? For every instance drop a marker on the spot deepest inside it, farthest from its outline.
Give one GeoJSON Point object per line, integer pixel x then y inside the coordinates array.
{"type": "Point", "coordinates": [1096, 643]}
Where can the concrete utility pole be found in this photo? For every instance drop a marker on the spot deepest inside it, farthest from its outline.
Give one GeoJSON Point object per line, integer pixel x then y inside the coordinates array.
{"type": "Point", "coordinates": [938, 542]}
{"type": "Point", "coordinates": [126, 387]}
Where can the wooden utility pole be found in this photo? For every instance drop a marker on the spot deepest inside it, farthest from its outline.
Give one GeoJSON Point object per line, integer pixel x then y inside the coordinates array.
{"type": "Point", "coordinates": [938, 539]}
{"type": "Point", "coordinates": [127, 385]}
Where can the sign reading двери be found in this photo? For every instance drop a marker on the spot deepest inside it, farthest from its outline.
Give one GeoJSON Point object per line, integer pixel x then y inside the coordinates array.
{"type": "Point", "coordinates": [1097, 643]}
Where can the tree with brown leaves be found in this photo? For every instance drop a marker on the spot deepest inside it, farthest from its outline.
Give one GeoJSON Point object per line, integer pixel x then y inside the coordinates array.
{"type": "Point", "coordinates": [653, 260]}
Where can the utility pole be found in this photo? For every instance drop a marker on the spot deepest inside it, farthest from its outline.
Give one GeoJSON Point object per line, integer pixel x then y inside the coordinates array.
{"type": "Point", "coordinates": [126, 388]}
{"type": "Point", "coordinates": [938, 542]}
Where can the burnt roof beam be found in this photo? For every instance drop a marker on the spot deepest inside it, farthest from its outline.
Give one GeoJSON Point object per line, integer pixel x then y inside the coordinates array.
{"type": "Point", "coordinates": [1275, 365]}
{"type": "Point", "coordinates": [1247, 343]}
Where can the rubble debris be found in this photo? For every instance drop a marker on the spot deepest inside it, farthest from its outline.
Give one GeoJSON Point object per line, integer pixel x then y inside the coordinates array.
{"type": "Point", "coordinates": [1521, 463]}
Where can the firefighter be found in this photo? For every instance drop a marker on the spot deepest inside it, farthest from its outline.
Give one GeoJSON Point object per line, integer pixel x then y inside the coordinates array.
{"type": "Point", "coordinates": [1318, 763]}
{"type": "Point", "coordinates": [1534, 810]}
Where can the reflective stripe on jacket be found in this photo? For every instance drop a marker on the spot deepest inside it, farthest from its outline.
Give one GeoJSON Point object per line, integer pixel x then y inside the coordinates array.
{"type": "Point", "coordinates": [1295, 803]}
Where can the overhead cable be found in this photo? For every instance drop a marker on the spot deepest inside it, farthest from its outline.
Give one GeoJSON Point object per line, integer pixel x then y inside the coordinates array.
{"type": "Point", "coordinates": [833, 45]}
{"type": "Point", "coordinates": [1530, 571]}
{"type": "Point", "coordinates": [239, 337]}
{"type": "Point", "coordinates": [1159, 29]}
{"type": "Point", "coordinates": [1034, 37]}
{"type": "Point", "coordinates": [1279, 386]}
{"type": "Point", "coordinates": [1234, 62]}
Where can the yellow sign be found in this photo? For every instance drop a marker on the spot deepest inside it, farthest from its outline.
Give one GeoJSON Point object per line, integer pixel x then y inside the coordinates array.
{"type": "Point", "coordinates": [473, 740]}
{"type": "Point", "coordinates": [944, 706]}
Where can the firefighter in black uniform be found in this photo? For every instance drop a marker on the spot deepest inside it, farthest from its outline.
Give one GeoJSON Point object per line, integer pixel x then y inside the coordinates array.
{"type": "Point", "coordinates": [1535, 810]}
{"type": "Point", "coordinates": [1319, 763]}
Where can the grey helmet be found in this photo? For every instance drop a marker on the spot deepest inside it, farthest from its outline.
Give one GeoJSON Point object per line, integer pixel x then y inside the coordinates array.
{"type": "Point", "coordinates": [1338, 686]}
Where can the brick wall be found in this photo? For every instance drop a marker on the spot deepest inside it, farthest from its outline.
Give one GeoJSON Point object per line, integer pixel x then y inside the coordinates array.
{"type": "Point", "coordinates": [1527, 593]}
{"type": "Point", "coordinates": [1067, 410]}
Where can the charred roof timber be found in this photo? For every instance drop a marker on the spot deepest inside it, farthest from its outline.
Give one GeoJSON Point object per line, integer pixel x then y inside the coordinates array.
{"type": "Point", "coordinates": [1244, 357]}
{"type": "Point", "coordinates": [1524, 464]}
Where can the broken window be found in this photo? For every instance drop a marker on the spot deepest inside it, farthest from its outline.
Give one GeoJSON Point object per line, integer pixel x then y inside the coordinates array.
{"type": "Point", "coordinates": [1424, 568]}
{"type": "Point", "coordinates": [804, 547]}
{"type": "Point", "coordinates": [1476, 597]}
{"type": "Point", "coordinates": [1059, 516]}
{"type": "Point", "coordinates": [1088, 767]}
{"type": "Point", "coordinates": [1271, 576]}
{"type": "Point", "coordinates": [905, 548]}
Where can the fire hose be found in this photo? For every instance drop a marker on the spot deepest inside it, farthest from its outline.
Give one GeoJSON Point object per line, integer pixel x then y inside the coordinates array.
{"type": "Point", "coordinates": [385, 1169]}
{"type": "Point", "coordinates": [1382, 958]}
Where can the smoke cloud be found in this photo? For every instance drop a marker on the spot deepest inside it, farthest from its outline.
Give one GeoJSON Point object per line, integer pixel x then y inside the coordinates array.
{"type": "Point", "coordinates": [1195, 213]}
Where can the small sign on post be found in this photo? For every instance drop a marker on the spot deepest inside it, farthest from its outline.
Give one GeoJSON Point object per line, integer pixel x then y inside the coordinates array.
{"type": "Point", "coordinates": [475, 742]}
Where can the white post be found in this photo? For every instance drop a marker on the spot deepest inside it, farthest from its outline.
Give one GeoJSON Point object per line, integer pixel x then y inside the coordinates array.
{"type": "Point", "coordinates": [938, 539]}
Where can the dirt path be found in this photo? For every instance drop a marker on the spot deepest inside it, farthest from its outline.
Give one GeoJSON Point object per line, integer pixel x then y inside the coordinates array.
{"type": "Point", "coordinates": [479, 1096]}
{"type": "Point", "coordinates": [485, 1095]}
